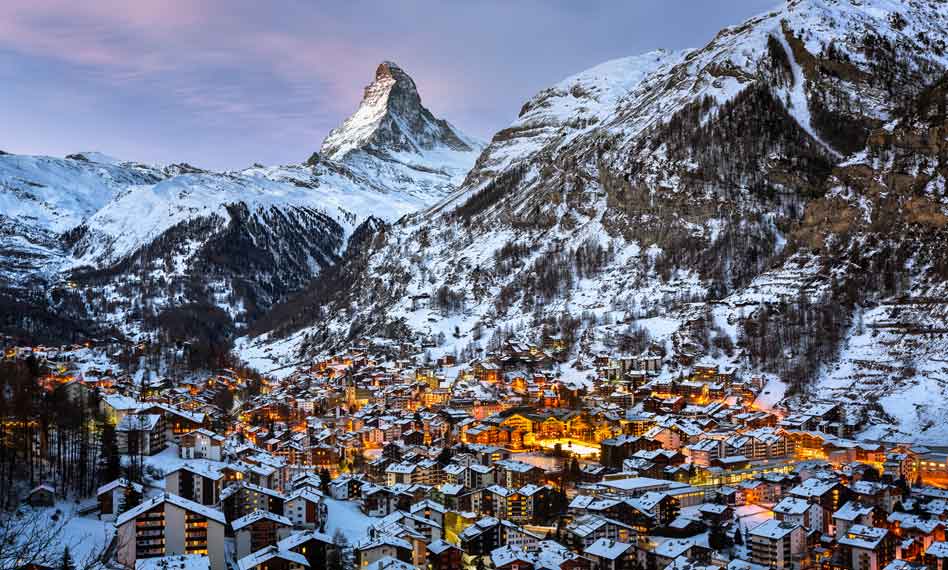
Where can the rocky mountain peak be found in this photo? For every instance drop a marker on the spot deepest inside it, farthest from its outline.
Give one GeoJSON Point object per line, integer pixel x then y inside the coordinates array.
{"type": "Point", "coordinates": [392, 119]}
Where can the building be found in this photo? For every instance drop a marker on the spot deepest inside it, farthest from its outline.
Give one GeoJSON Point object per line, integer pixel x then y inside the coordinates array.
{"type": "Point", "coordinates": [197, 482]}
{"type": "Point", "coordinates": [111, 496]}
{"type": "Point", "coordinates": [201, 444]}
{"type": "Point", "coordinates": [140, 434]}
{"type": "Point", "coordinates": [867, 547]}
{"type": "Point", "coordinates": [167, 525]}
{"type": "Point", "coordinates": [258, 530]}
{"type": "Point", "coordinates": [778, 545]}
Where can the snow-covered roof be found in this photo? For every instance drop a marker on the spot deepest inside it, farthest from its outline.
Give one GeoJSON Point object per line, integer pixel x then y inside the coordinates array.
{"type": "Point", "coordinates": [269, 553]}
{"type": "Point", "coordinates": [118, 483]}
{"type": "Point", "coordinates": [256, 516]}
{"type": "Point", "coordinates": [607, 548]}
{"type": "Point", "coordinates": [181, 502]}
{"type": "Point", "coordinates": [774, 529]}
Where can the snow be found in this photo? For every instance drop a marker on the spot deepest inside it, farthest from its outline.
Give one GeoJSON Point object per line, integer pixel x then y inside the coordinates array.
{"type": "Point", "coordinates": [85, 536]}
{"type": "Point", "coordinates": [346, 517]}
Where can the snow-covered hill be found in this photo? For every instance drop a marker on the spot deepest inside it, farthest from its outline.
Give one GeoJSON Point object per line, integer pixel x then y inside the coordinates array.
{"type": "Point", "coordinates": [93, 220]}
{"type": "Point", "coordinates": [661, 193]}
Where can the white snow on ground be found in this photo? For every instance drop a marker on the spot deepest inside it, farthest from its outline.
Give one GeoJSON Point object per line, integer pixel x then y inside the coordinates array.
{"type": "Point", "coordinates": [773, 392]}
{"type": "Point", "coordinates": [86, 536]}
{"type": "Point", "coordinates": [346, 517]}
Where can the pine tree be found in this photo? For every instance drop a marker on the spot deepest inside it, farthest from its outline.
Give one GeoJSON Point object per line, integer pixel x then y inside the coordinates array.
{"type": "Point", "coordinates": [738, 536]}
{"type": "Point", "coordinates": [324, 479]}
{"type": "Point", "coordinates": [67, 563]}
{"type": "Point", "coordinates": [131, 499]}
{"type": "Point", "coordinates": [111, 466]}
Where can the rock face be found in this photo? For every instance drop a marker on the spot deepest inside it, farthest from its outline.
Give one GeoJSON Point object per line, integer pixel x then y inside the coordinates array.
{"type": "Point", "coordinates": [391, 119]}
{"type": "Point", "coordinates": [134, 241]}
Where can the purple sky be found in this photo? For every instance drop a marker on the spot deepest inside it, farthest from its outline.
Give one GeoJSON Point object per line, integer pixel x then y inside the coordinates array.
{"type": "Point", "coordinates": [223, 84]}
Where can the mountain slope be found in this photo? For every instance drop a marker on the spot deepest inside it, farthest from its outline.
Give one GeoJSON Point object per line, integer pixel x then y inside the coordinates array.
{"type": "Point", "coordinates": [651, 202]}
{"type": "Point", "coordinates": [123, 242]}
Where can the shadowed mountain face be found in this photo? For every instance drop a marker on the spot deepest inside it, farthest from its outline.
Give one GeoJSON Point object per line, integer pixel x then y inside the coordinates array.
{"type": "Point", "coordinates": [121, 243]}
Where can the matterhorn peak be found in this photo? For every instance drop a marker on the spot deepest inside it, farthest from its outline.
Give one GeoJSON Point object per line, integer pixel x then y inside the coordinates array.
{"type": "Point", "coordinates": [391, 119]}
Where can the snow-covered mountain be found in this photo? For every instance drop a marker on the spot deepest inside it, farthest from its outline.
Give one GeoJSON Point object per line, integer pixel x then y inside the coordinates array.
{"type": "Point", "coordinates": [117, 231]}
{"type": "Point", "coordinates": [658, 201]}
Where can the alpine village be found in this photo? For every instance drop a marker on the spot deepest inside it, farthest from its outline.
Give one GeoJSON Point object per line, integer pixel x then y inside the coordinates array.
{"type": "Point", "coordinates": [686, 313]}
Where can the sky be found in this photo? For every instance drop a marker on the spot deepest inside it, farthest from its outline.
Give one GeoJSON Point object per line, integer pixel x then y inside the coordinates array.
{"type": "Point", "coordinates": [224, 84]}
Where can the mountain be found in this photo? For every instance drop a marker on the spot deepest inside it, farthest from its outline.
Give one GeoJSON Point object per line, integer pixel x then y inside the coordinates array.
{"type": "Point", "coordinates": [393, 138]}
{"type": "Point", "coordinates": [679, 202]}
{"type": "Point", "coordinates": [93, 237]}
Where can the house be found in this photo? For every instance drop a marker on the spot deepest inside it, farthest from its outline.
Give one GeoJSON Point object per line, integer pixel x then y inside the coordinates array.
{"type": "Point", "coordinates": [583, 531]}
{"type": "Point", "coordinates": [116, 406]}
{"type": "Point", "coordinates": [345, 486]}
{"type": "Point", "coordinates": [314, 545]}
{"type": "Point", "coordinates": [852, 513]}
{"type": "Point", "coordinates": [259, 530]}
{"type": "Point", "coordinates": [867, 547]}
{"type": "Point", "coordinates": [305, 509]}
{"type": "Point", "coordinates": [272, 558]}
{"type": "Point", "coordinates": [936, 556]}
{"type": "Point", "coordinates": [828, 493]}
{"type": "Point", "coordinates": [167, 525]}
{"type": "Point", "coordinates": [201, 444]}
{"type": "Point", "coordinates": [140, 434]}
{"type": "Point", "coordinates": [608, 554]}
{"type": "Point", "coordinates": [42, 496]}
{"type": "Point", "coordinates": [242, 498]}
{"type": "Point", "coordinates": [489, 533]}
{"type": "Point", "coordinates": [196, 481]}
{"type": "Point", "coordinates": [799, 511]}
{"type": "Point", "coordinates": [383, 546]}
{"type": "Point", "coordinates": [777, 544]}
{"type": "Point", "coordinates": [446, 556]}
{"type": "Point", "coordinates": [177, 421]}
{"type": "Point", "coordinates": [111, 495]}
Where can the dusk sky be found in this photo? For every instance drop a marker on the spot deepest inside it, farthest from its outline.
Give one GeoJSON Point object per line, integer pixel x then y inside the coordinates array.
{"type": "Point", "coordinates": [226, 84]}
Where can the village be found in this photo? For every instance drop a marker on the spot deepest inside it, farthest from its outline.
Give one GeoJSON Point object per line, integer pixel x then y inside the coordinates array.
{"type": "Point", "coordinates": [382, 458]}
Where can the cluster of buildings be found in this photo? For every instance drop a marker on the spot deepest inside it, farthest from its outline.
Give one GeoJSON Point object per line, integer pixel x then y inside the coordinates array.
{"type": "Point", "coordinates": [515, 462]}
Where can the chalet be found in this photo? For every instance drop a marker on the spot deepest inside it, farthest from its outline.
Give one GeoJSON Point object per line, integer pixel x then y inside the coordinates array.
{"type": "Point", "coordinates": [799, 511]}
{"type": "Point", "coordinates": [608, 554]}
{"type": "Point", "coordinates": [381, 547]}
{"type": "Point", "coordinates": [489, 533]}
{"type": "Point", "coordinates": [305, 509]}
{"type": "Point", "coordinates": [201, 444]}
{"type": "Point", "coordinates": [197, 482]}
{"type": "Point", "coordinates": [178, 422]}
{"type": "Point", "coordinates": [43, 495]}
{"type": "Point", "coordinates": [446, 556]}
{"type": "Point", "coordinates": [140, 434]}
{"type": "Point", "coordinates": [936, 556]}
{"type": "Point", "coordinates": [258, 530]}
{"type": "Point", "coordinates": [852, 513]}
{"type": "Point", "coordinates": [867, 548]}
{"type": "Point", "coordinates": [242, 498]}
{"type": "Point", "coordinates": [315, 546]}
{"type": "Point", "coordinates": [583, 531]}
{"type": "Point", "coordinates": [273, 558]}
{"type": "Point", "coordinates": [111, 496]}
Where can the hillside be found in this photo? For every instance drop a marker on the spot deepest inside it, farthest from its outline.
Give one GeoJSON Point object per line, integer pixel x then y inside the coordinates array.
{"type": "Point", "coordinates": [667, 201]}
